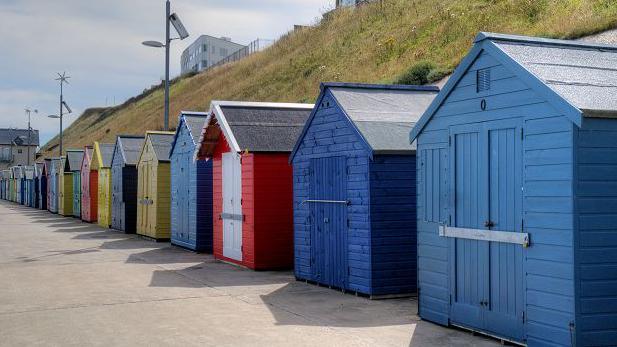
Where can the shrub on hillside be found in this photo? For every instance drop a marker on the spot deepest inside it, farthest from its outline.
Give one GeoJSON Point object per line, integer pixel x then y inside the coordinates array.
{"type": "Point", "coordinates": [421, 73]}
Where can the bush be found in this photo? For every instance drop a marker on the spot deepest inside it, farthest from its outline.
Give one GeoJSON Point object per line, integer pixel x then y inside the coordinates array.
{"type": "Point", "coordinates": [417, 74]}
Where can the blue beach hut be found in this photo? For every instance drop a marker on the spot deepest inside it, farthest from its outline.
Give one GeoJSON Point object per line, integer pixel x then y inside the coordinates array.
{"type": "Point", "coordinates": [354, 188]}
{"type": "Point", "coordinates": [29, 193]}
{"type": "Point", "coordinates": [517, 200]}
{"type": "Point", "coordinates": [55, 173]}
{"type": "Point", "coordinates": [191, 187]}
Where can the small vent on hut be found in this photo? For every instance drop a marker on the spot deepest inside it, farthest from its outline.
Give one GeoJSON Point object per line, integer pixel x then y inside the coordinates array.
{"type": "Point", "coordinates": [483, 80]}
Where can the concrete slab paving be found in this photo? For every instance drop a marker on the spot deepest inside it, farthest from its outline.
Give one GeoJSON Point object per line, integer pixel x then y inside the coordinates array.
{"type": "Point", "coordinates": [68, 283]}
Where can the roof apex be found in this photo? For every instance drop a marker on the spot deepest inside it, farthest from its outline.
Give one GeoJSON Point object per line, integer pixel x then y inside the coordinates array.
{"type": "Point", "coordinates": [541, 41]}
{"type": "Point", "coordinates": [425, 88]}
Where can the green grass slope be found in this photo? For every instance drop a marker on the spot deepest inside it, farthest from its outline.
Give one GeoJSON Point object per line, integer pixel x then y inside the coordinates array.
{"type": "Point", "coordinates": [384, 42]}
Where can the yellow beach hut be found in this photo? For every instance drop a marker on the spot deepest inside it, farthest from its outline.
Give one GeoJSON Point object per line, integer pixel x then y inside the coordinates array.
{"type": "Point", "coordinates": [65, 188]}
{"type": "Point", "coordinates": [153, 189]}
{"type": "Point", "coordinates": [101, 162]}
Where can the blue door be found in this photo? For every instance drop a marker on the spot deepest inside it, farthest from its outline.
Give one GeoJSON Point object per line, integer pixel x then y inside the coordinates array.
{"type": "Point", "coordinates": [487, 276]}
{"type": "Point", "coordinates": [504, 306]}
{"type": "Point", "coordinates": [328, 208]}
{"type": "Point", "coordinates": [470, 256]}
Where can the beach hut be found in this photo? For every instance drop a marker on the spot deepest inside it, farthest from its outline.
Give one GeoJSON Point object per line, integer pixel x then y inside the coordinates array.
{"type": "Point", "coordinates": [54, 184]}
{"type": "Point", "coordinates": [249, 145]}
{"type": "Point", "coordinates": [89, 187]}
{"type": "Point", "coordinates": [124, 182]}
{"type": "Point", "coordinates": [354, 189]}
{"type": "Point", "coordinates": [65, 190]}
{"type": "Point", "coordinates": [101, 162]}
{"type": "Point", "coordinates": [41, 182]}
{"type": "Point", "coordinates": [153, 186]}
{"type": "Point", "coordinates": [191, 187]}
{"type": "Point", "coordinates": [12, 185]}
{"type": "Point", "coordinates": [517, 199]}
{"type": "Point", "coordinates": [3, 177]}
{"type": "Point", "coordinates": [72, 182]}
{"type": "Point", "coordinates": [18, 175]}
{"type": "Point", "coordinates": [28, 186]}
{"type": "Point", "coordinates": [47, 171]}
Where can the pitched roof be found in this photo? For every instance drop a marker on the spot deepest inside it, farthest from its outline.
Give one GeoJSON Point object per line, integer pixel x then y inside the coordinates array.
{"type": "Point", "coordinates": [383, 115]}
{"type": "Point", "coordinates": [29, 172]}
{"type": "Point", "coordinates": [579, 78]}
{"type": "Point", "coordinates": [74, 157]}
{"type": "Point", "coordinates": [130, 147]}
{"type": "Point", "coordinates": [585, 74]}
{"type": "Point", "coordinates": [254, 126]}
{"type": "Point", "coordinates": [105, 151]}
{"type": "Point", "coordinates": [194, 121]}
{"type": "Point", "coordinates": [161, 142]}
{"type": "Point", "coordinates": [8, 136]}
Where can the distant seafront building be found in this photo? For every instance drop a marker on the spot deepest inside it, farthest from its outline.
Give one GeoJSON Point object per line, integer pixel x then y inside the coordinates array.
{"type": "Point", "coordinates": [14, 147]}
{"type": "Point", "coordinates": [343, 3]}
{"type": "Point", "coordinates": [206, 51]}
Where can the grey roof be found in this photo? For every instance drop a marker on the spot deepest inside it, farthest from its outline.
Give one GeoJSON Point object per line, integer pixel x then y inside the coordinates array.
{"type": "Point", "coordinates": [384, 116]}
{"type": "Point", "coordinates": [195, 122]}
{"type": "Point", "coordinates": [584, 74]}
{"type": "Point", "coordinates": [266, 129]}
{"type": "Point", "coordinates": [74, 159]}
{"type": "Point", "coordinates": [29, 172]}
{"type": "Point", "coordinates": [8, 136]}
{"type": "Point", "coordinates": [161, 143]}
{"type": "Point", "coordinates": [131, 148]}
{"type": "Point", "coordinates": [107, 152]}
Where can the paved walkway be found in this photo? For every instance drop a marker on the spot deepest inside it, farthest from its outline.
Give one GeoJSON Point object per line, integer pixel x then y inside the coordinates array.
{"type": "Point", "coordinates": [64, 282]}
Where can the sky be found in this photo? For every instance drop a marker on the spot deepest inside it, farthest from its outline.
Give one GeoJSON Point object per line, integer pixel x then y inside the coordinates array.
{"type": "Point", "coordinates": [98, 44]}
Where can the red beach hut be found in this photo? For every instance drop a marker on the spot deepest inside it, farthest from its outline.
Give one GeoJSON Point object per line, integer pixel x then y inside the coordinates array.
{"type": "Point", "coordinates": [250, 144]}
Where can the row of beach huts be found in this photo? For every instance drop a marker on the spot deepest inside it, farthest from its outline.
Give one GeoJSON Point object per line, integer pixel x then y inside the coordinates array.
{"type": "Point", "coordinates": [494, 199]}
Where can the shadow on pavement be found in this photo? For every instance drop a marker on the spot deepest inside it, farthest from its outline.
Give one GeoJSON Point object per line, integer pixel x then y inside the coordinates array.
{"type": "Point", "coordinates": [324, 307]}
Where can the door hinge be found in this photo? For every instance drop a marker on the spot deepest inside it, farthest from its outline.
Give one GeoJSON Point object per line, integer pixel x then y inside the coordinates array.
{"type": "Point", "coordinates": [348, 222]}
{"type": "Point", "coordinates": [522, 134]}
{"type": "Point", "coordinates": [523, 316]}
{"type": "Point", "coordinates": [450, 140]}
{"type": "Point", "coordinates": [450, 299]}
{"type": "Point", "coordinates": [348, 271]}
{"type": "Point", "coordinates": [522, 225]}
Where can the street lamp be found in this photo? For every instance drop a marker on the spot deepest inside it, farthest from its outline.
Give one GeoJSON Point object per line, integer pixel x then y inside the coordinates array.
{"type": "Point", "coordinates": [28, 111]}
{"type": "Point", "coordinates": [174, 20]}
{"type": "Point", "coordinates": [62, 78]}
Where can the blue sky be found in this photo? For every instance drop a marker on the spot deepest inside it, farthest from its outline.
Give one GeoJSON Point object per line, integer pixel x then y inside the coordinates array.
{"type": "Point", "coordinates": [98, 43]}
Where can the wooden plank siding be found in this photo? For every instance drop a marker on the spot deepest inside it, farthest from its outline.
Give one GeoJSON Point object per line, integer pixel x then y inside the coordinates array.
{"type": "Point", "coordinates": [118, 205]}
{"type": "Point", "coordinates": [596, 246]}
{"type": "Point", "coordinates": [66, 194]}
{"type": "Point", "coordinates": [104, 197]}
{"type": "Point", "coordinates": [547, 198]}
{"type": "Point", "coordinates": [393, 227]}
{"type": "Point", "coordinates": [273, 217]}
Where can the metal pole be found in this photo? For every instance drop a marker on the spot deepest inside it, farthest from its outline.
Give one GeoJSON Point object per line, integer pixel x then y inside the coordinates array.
{"type": "Point", "coordinates": [61, 99]}
{"type": "Point", "coordinates": [167, 44]}
{"type": "Point", "coordinates": [28, 111]}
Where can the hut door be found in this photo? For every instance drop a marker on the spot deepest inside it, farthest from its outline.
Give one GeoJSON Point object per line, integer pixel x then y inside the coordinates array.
{"type": "Point", "coordinates": [487, 276]}
{"type": "Point", "coordinates": [232, 206]}
{"type": "Point", "coordinates": [328, 208]}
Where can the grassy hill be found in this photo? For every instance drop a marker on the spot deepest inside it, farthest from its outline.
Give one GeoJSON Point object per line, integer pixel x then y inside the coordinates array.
{"type": "Point", "coordinates": [384, 42]}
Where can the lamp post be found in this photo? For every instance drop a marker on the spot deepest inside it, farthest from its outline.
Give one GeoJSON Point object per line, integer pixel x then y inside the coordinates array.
{"type": "Point", "coordinates": [28, 111]}
{"type": "Point", "coordinates": [62, 78]}
{"type": "Point", "coordinates": [174, 20]}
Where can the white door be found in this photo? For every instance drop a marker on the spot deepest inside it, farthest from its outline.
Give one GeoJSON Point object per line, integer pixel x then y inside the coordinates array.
{"type": "Point", "coordinates": [232, 206]}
